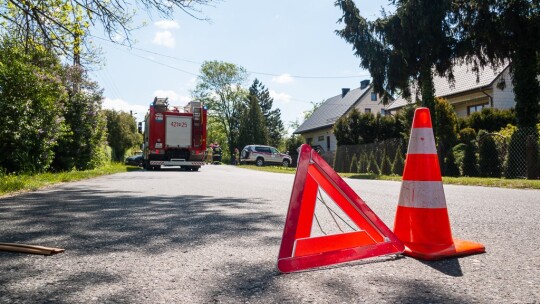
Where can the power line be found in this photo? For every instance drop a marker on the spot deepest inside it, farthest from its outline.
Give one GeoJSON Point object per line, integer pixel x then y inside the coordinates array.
{"type": "Point", "coordinates": [251, 72]}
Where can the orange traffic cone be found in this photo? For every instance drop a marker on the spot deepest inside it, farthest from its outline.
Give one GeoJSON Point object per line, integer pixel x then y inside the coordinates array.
{"type": "Point", "coordinates": [422, 222]}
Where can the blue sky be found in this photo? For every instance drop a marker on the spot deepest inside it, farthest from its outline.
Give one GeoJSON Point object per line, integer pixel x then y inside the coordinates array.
{"type": "Point", "coordinates": [282, 38]}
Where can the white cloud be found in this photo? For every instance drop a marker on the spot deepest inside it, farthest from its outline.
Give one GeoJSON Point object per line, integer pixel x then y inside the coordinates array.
{"type": "Point", "coordinates": [167, 25]}
{"type": "Point", "coordinates": [164, 38]}
{"type": "Point", "coordinates": [283, 78]}
{"type": "Point", "coordinates": [122, 105]}
{"type": "Point", "coordinates": [280, 97]}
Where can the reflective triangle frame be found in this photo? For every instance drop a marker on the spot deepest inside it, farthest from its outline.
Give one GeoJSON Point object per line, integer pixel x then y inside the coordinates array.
{"type": "Point", "coordinates": [299, 251]}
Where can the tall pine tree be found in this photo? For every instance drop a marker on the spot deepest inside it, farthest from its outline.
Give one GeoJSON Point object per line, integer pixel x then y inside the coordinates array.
{"type": "Point", "coordinates": [252, 127]}
{"type": "Point", "coordinates": [272, 117]}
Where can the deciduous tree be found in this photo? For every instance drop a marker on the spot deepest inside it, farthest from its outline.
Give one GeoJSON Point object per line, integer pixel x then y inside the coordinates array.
{"type": "Point", "coordinates": [220, 87]}
{"type": "Point", "coordinates": [30, 107]}
{"type": "Point", "coordinates": [62, 25]}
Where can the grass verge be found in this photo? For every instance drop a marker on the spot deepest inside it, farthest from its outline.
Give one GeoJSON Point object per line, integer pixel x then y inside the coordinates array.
{"type": "Point", "coordinates": [27, 182]}
{"type": "Point", "coordinates": [467, 181]}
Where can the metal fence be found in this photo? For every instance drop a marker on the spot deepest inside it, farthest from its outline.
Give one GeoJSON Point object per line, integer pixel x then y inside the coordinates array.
{"type": "Point", "coordinates": [490, 155]}
{"type": "Point", "coordinates": [369, 158]}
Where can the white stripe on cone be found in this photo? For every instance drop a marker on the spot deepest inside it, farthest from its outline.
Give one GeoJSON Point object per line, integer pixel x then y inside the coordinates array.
{"type": "Point", "coordinates": [422, 141]}
{"type": "Point", "coordinates": [422, 194]}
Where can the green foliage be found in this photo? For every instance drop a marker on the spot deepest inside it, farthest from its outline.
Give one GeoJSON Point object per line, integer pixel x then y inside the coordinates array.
{"type": "Point", "coordinates": [62, 25]}
{"type": "Point", "coordinates": [347, 128]}
{"type": "Point", "coordinates": [458, 152]}
{"type": "Point", "coordinates": [30, 91]}
{"type": "Point", "coordinates": [508, 131]}
{"type": "Point", "coordinates": [362, 128]}
{"type": "Point", "coordinates": [450, 166]}
{"type": "Point", "coordinates": [469, 160]}
{"type": "Point", "coordinates": [489, 164]}
{"type": "Point", "coordinates": [405, 119]}
{"type": "Point", "coordinates": [272, 118]}
{"type": "Point", "coordinates": [82, 146]}
{"type": "Point", "coordinates": [354, 164]}
{"type": "Point", "coordinates": [372, 165]}
{"type": "Point", "coordinates": [445, 128]}
{"type": "Point", "coordinates": [466, 135]}
{"type": "Point", "coordinates": [253, 128]}
{"type": "Point", "coordinates": [122, 133]}
{"type": "Point", "coordinates": [445, 124]}
{"type": "Point", "coordinates": [399, 163]}
{"type": "Point", "coordinates": [396, 49]}
{"type": "Point", "coordinates": [21, 182]}
{"type": "Point", "coordinates": [386, 166]}
{"type": "Point", "coordinates": [516, 164]}
{"type": "Point", "coordinates": [220, 88]}
{"type": "Point", "coordinates": [498, 30]}
{"type": "Point", "coordinates": [293, 143]}
{"type": "Point", "coordinates": [463, 122]}
{"type": "Point", "coordinates": [362, 163]}
{"type": "Point", "coordinates": [491, 119]}
{"type": "Point", "coordinates": [216, 133]}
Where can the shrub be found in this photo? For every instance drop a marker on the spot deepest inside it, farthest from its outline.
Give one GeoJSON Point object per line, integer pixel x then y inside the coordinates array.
{"type": "Point", "coordinates": [445, 127]}
{"type": "Point", "coordinates": [491, 119]}
{"type": "Point", "coordinates": [467, 135]}
{"type": "Point", "coordinates": [469, 160]}
{"type": "Point", "coordinates": [362, 163]}
{"type": "Point", "coordinates": [399, 163]}
{"type": "Point", "coordinates": [353, 168]}
{"type": "Point", "coordinates": [489, 164]}
{"type": "Point", "coordinates": [372, 165]}
{"type": "Point", "coordinates": [450, 166]}
{"type": "Point", "coordinates": [459, 153]}
{"type": "Point", "coordinates": [386, 166]}
{"type": "Point", "coordinates": [517, 154]}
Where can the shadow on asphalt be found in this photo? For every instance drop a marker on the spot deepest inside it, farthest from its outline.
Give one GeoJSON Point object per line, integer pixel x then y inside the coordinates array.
{"type": "Point", "coordinates": [85, 221]}
{"type": "Point", "coordinates": [90, 222]}
{"type": "Point", "coordinates": [259, 281]}
{"type": "Point", "coordinates": [449, 267]}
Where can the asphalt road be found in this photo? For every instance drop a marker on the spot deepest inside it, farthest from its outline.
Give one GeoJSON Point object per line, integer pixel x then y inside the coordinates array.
{"type": "Point", "coordinates": [213, 237]}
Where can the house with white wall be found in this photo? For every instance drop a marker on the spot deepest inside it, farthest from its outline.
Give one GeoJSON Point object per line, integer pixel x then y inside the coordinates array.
{"type": "Point", "coordinates": [471, 92]}
{"type": "Point", "coordinates": [317, 130]}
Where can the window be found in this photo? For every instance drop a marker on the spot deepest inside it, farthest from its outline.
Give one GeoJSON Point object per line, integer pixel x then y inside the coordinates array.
{"type": "Point", "coordinates": [274, 150]}
{"type": "Point", "coordinates": [383, 112]}
{"type": "Point", "coordinates": [475, 108]}
{"type": "Point", "coordinates": [367, 110]}
{"type": "Point", "coordinates": [327, 143]}
{"type": "Point", "coordinates": [262, 149]}
{"type": "Point", "coordinates": [309, 140]}
{"type": "Point", "coordinates": [373, 96]}
{"type": "Point", "coordinates": [321, 138]}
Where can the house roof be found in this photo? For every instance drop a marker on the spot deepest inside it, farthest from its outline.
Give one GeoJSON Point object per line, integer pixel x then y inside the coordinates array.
{"type": "Point", "coordinates": [331, 110]}
{"type": "Point", "coordinates": [465, 80]}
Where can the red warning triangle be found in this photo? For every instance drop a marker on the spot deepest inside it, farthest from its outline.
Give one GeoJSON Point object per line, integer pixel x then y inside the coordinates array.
{"type": "Point", "coordinates": [299, 250]}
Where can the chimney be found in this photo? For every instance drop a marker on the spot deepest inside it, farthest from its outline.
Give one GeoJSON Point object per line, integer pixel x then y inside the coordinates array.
{"type": "Point", "coordinates": [364, 84]}
{"type": "Point", "coordinates": [344, 92]}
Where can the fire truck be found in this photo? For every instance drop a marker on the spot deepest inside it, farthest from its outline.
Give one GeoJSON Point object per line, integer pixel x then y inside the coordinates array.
{"type": "Point", "coordinates": [174, 136]}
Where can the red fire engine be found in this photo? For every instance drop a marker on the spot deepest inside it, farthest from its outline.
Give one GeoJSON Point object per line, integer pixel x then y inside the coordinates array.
{"type": "Point", "coordinates": [174, 136]}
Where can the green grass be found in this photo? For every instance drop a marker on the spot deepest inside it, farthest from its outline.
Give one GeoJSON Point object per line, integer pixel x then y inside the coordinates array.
{"type": "Point", "coordinates": [467, 181]}
{"type": "Point", "coordinates": [275, 169]}
{"type": "Point", "coordinates": [28, 182]}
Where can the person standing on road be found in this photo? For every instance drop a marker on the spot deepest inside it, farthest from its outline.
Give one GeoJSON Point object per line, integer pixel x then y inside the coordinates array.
{"type": "Point", "coordinates": [216, 153]}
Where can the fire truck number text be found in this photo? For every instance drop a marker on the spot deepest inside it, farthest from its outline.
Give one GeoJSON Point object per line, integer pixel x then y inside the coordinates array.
{"type": "Point", "coordinates": [177, 124]}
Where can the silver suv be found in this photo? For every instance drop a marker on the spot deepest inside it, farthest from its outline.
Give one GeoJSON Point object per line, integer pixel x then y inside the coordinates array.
{"type": "Point", "coordinates": [261, 155]}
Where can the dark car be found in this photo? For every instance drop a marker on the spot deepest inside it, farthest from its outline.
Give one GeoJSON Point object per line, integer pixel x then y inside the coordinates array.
{"type": "Point", "coordinates": [135, 160]}
{"type": "Point", "coordinates": [261, 155]}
